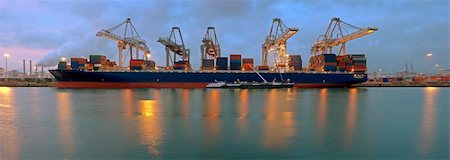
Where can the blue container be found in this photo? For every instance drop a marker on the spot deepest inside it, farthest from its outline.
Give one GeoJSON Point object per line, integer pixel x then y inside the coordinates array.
{"type": "Point", "coordinates": [136, 68]}
{"type": "Point", "coordinates": [385, 79]}
{"type": "Point", "coordinates": [330, 57]}
{"type": "Point", "coordinates": [330, 68]}
{"type": "Point", "coordinates": [221, 61]}
{"type": "Point", "coordinates": [234, 66]}
{"type": "Point", "coordinates": [75, 65]}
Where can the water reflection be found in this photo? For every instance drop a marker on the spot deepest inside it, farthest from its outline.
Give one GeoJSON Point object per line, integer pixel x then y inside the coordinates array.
{"type": "Point", "coordinates": [242, 109]}
{"type": "Point", "coordinates": [428, 121]}
{"type": "Point", "coordinates": [151, 124]}
{"type": "Point", "coordinates": [128, 103]}
{"type": "Point", "coordinates": [279, 122]}
{"type": "Point", "coordinates": [65, 123]}
{"type": "Point", "coordinates": [185, 107]}
{"type": "Point", "coordinates": [10, 139]}
{"type": "Point", "coordinates": [212, 114]}
{"type": "Point", "coordinates": [351, 115]}
{"type": "Point", "coordinates": [322, 114]}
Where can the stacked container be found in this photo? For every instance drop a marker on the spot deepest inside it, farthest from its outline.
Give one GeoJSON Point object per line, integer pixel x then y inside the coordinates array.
{"type": "Point", "coordinates": [78, 63]}
{"type": "Point", "coordinates": [221, 63]}
{"type": "Point", "coordinates": [181, 65]}
{"type": "Point", "coordinates": [247, 64]}
{"type": "Point", "coordinates": [150, 64]}
{"type": "Point", "coordinates": [358, 63]}
{"type": "Point", "coordinates": [343, 62]}
{"type": "Point", "coordinates": [207, 64]}
{"type": "Point", "coordinates": [62, 65]}
{"type": "Point", "coordinates": [263, 68]}
{"type": "Point", "coordinates": [330, 62]}
{"type": "Point", "coordinates": [295, 61]}
{"type": "Point", "coordinates": [324, 62]}
{"type": "Point", "coordinates": [89, 66]}
{"type": "Point", "coordinates": [97, 61]}
{"type": "Point", "coordinates": [235, 62]}
{"type": "Point", "coordinates": [136, 64]}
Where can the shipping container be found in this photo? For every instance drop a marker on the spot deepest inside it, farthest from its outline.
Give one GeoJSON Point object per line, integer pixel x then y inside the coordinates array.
{"type": "Point", "coordinates": [79, 60]}
{"type": "Point", "coordinates": [235, 56]}
{"type": "Point", "coordinates": [263, 67]}
{"type": "Point", "coordinates": [62, 65]}
{"type": "Point", "coordinates": [97, 59]}
{"type": "Point", "coordinates": [207, 64]}
{"type": "Point", "coordinates": [222, 63]}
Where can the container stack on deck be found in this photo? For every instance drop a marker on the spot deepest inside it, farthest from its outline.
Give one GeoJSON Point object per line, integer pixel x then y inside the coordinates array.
{"type": "Point", "coordinates": [149, 64]}
{"type": "Point", "coordinates": [136, 64]}
{"type": "Point", "coordinates": [263, 68]}
{"type": "Point", "coordinates": [247, 64]}
{"type": "Point", "coordinates": [62, 65]}
{"type": "Point", "coordinates": [235, 62]}
{"type": "Point", "coordinates": [295, 62]}
{"type": "Point", "coordinates": [207, 64]}
{"type": "Point", "coordinates": [323, 62]}
{"type": "Point", "coordinates": [358, 63]}
{"type": "Point", "coordinates": [78, 63]}
{"type": "Point", "coordinates": [344, 62]}
{"type": "Point", "coordinates": [222, 63]}
{"type": "Point", "coordinates": [97, 61]}
{"type": "Point", "coordinates": [181, 65]}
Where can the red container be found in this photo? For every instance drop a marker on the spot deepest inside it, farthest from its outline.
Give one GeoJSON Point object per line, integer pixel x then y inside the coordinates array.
{"type": "Point", "coordinates": [263, 67]}
{"type": "Point", "coordinates": [235, 56]}
{"type": "Point", "coordinates": [247, 60]}
{"type": "Point", "coordinates": [79, 60]}
{"type": "Point", "coordinates": [136, 62]}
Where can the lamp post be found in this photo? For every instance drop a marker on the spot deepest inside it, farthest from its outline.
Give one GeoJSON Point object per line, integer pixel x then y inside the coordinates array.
{"type": "Point", "coordinates": [437, 68]}
{"type": "Point", "coordinates": [429, 56]}
{"type": "Point", "coordinates": [6, 55]}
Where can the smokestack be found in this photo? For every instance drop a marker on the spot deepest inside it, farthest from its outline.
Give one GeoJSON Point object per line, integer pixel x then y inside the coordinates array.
{"type": "Point", "coordinates": [31, 70]}
{"type": "Point", "coordinates": [42, 71]}
{"type": "Point", "coordinates": [35, 72]}
{"type": "Point", "coordinates": [24, 73]}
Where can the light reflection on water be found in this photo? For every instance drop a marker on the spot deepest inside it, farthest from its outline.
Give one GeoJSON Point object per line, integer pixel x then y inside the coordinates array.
{"type": "Point", "coordinates": [279, 122]}
{"type": "Point", "coordinates": [321, 116]}
{"type": "Point", "coordinates": [65, 124]}
{"type": "Point", "coordinates": [150, 123]}
{"type": "Point", "coordinates": [10, 137]}
{"type": "Point", "coordinates": [428, 121]}
{"type": "Point", "coordinates": [351, 115]}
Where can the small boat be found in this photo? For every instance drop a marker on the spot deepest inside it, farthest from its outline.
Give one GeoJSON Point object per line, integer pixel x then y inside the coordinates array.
{"type": "Point", "coordinates": [252, 85]}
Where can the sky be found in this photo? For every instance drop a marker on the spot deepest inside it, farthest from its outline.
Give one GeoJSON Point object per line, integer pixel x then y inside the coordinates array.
{"type": "Point", "coordinates": [45, 31]}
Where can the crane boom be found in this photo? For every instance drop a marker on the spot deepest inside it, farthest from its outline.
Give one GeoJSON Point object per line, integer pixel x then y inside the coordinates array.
{"type": "Point", "coordinates": [337, 34]}
{"type": "Point", "coordinates": [130, 40]}
{"type": "Point", "coordinates": [276, 41]}
{"type": "Point", "coordinates": [210, 47]}
{"type": "Point", "coordinates": [175, 44]}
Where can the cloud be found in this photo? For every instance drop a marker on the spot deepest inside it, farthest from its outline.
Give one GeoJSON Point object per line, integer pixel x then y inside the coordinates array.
{"type": "Point", "coordinates": [408, 29]}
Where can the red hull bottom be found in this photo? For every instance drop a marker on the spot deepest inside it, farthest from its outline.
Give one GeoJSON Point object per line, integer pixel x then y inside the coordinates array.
{"type": "Point", "coordinates": [169, 85]}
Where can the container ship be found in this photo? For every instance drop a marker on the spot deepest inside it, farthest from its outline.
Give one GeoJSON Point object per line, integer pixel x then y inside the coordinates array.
{"type": "Point", "coordinates": [325, 68]}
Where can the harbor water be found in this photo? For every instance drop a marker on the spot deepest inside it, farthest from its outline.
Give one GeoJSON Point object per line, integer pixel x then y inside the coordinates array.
{"type": "Point", "coordinates": [394, 123]}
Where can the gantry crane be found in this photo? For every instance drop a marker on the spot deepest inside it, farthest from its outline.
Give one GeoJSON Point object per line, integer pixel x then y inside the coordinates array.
{"type": "Point", "coordinates": [276, 41]}
{"type": "Point", "coordinates": [337, 34]}
{"type": "Point", "coordinates": [129, 40]}
{"type": "Point", "coordinates": [175, 45]}
{"type": "Point", "coordinates": [210, 47]}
